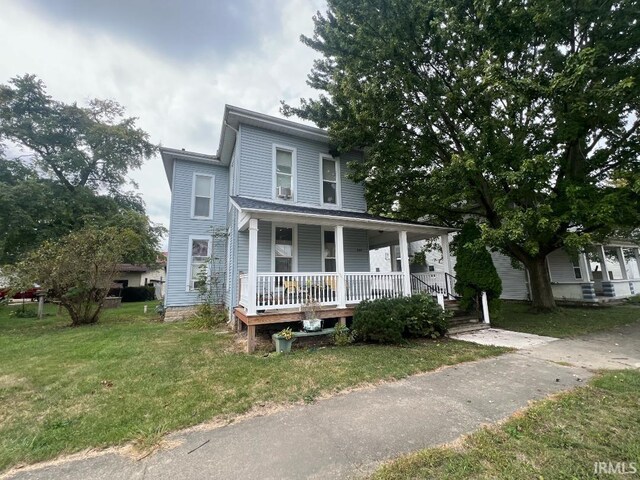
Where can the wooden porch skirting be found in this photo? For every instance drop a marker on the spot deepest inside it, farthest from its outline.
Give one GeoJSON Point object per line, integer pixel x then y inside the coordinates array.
{"type": "Point", "coordinates": [283, 316]}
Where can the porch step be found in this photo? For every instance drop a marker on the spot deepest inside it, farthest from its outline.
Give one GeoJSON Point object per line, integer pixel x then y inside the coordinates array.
{"type": "Point", "coordinates": [462, 320]}
{"type": "Point", "coordinates": [466, 328]}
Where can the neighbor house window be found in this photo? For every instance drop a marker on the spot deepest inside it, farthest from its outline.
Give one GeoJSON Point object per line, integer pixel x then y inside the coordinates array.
{"type": "Point", "coordinates": [329, 250]}
{"type": "Point", "coordinates": [330, 174]}
{"type": "Point", "coordinates": [284, 173]}
{"type": "Point", "coordinates": [202, 206]}
{"type": "Point", "coordinates": [576, 269]}
{"type": "Point", "coordinates": [283, 249]}
{"type": "Point", "coordinates": [199, 253]}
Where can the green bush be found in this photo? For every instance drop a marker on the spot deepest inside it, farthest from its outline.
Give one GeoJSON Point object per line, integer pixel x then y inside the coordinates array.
{"type": "Point", "coordinates": [138, 294]}
{"type": "Point", "coordinates": [475, 272]}
{"type": "Point", "coordinates": [23, 313]}
{"type": "Point", "coordinates": [342, 335]}
{"type": "Point", "coordinates": [391, 320]}
{"type": "Point", "coordinates": [208, 317]}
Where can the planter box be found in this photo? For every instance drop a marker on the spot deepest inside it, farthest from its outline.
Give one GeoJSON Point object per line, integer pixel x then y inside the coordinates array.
{"type": "Point", "coordinates": [282, 345]}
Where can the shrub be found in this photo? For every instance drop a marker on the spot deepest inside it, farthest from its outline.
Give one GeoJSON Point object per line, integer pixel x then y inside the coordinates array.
{"type": "Point", "coordinates": [138, 294]}
{"type": "Point", "coordinates": [475, 272]}
{"type": "Point", "coordinates": [391, 320]}
{"type": "Point", "coordinates": [208, 317]}
{"type": "Point", "coordinates": [342, 335]}
{"type": "Point", "coordinates": [23, 313]}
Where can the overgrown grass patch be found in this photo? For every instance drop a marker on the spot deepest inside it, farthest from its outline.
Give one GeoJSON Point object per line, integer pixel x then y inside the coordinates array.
{"type": "Point", "coordinates": [133, 378]}
{"type": "Point", "coordinates": [564, 322]}
{"type": "Point", "coordinates": [562, 437]}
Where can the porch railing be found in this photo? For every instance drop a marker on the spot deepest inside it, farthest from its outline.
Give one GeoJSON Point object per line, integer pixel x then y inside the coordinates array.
{"type": "Point", "coordinates": [281, 290]}
{"type": "Point", "coordinates": [372, 285]}
{"type": "Point", "coordinates": [244, 292]}
{"type": "Point", "coordinates": [433, 283]}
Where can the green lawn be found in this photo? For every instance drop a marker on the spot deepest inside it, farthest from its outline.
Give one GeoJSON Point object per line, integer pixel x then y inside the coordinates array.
{"type": "Point", "coordinates": [564, 322]}
{"type": "Point", "coordinates": [557, 438]}
{"type": "Point", "coordinates": [132, 378]}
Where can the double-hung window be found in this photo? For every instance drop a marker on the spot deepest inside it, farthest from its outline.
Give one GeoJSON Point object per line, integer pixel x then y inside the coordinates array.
{"type": "Point", "coordinates": [199, 258]}
{"type": "Point", "coordinates": [283, 249]}
{"type": "Point", "coordinates": [329, 250]}
{"type": "Point", "coordinates": [284, 173]}
{"type": "Point", "coordinates": [577, 273]}
{"type": "Point", "coordinates": [202, 202]}
{"type": "Point", "coordinates": [330, 180]}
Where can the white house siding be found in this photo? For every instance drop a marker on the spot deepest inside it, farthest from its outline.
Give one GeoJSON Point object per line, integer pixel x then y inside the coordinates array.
{"type": "Point", "coordinates": [256, 168]}
{"type": "Point", "coordinates": [514, 280]}
{"type": "Point", "coordinates": [182, 225]}
{"type": "Point", "coordinates": [561, 268]}
{"type": "Point", "coordinates": [380, 260]}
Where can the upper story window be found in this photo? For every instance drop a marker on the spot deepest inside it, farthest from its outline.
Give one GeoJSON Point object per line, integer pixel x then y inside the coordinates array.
{"type": "Point", "coordinates": [330, 168]}
{"type": "Point", "coordinates": [285, 171]}
{"type": "Point", "coordinates": [202, 201]}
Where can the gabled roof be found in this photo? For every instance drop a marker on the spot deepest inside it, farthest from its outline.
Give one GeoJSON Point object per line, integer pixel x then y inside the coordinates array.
{"type": "Point", "coordinates": [231, 120]}
{"type": "Point", "coordinates": [331, 216]}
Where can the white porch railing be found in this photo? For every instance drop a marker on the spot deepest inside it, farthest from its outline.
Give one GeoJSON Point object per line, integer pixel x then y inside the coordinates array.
{"type": "Point", "coordinates": [286, 290]}
{"type": "Point", "coordinates": [244, 292]}
{"type": "Point", "coordinates": [292, 290]}
{"type": "Point", "coordinates": [368, 285]}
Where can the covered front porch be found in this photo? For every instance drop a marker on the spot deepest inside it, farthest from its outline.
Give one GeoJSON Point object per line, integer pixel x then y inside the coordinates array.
{"type": "Point", "coordinates": [602, 273]}
{"type": "Point", "coordinates": [298, 256]}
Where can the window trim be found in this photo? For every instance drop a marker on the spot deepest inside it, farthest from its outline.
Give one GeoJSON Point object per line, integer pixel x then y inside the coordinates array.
{"type": "Point", "coordinates": [212, 180]}
{"type": "Point", "coordinates": [189, 256]}
{"type": "Point", "coordinates": [294, 172]}
{"type": "Point", "coordinates": [294, 245]}
{"type": "Point", "coordinates": [322, 230]}
{"type": "Point", "coordinates": [338, 203]}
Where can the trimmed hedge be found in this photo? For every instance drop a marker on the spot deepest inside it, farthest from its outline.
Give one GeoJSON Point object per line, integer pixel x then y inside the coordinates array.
{"type": "Point", "coordinates": [392, 320]}
{"type": "Point", "coordinates": [138, 294]}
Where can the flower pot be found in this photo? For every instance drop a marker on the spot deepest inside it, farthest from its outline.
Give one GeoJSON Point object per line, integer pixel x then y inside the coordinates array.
{"type": "Point", "coordinates": [283, 345]}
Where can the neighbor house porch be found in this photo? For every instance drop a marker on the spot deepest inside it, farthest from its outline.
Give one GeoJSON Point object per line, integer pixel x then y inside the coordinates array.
{"type": "Point", "coordinates": [297, 255]}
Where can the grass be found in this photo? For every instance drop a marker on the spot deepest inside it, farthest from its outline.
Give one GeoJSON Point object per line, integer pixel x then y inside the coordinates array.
{"type": "Point", "coordinates": [131, 378]}
{"type": "Point", "coordinates": [564, 322]}
{"type": "Point", "coordinates": [557, 438]}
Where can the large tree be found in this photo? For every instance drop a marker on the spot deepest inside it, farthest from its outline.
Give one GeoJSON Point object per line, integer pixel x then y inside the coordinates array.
{"type": "Point", "coordinates": [523, 114]}
{"type": "Point", "coordinates": [72, 172]}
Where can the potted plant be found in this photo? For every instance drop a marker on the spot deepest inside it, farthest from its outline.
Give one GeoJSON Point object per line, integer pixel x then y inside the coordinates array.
{"type": "Point", "coordinates": [311, 322]}
{"type": "Point", "coordinates": [283, 340]}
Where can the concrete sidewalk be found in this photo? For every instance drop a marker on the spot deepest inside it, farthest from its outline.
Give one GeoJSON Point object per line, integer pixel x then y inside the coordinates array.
{"type": "Point", "coordinates": [344, 436]}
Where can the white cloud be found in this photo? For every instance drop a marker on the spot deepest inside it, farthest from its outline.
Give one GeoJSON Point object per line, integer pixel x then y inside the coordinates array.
{"type": "Point", "coordinates": [179, 103]}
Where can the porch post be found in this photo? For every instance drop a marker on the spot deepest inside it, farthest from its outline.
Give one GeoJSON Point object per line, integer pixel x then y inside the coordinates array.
{"type": "Point", "coordinates": [404, 263]}
{"type": "Point", "coordinates": [603, 263]}
{"type": "Point", "coordinates": [622, 262]}
{"type": "Point", "coordinates": [341, 293]}
{"type": "Point", "coordinates": [252, 275]}
{"type": "Point", "coordinates": [636, 254]}
{"type": "Point", "coordinates": [446, 255]}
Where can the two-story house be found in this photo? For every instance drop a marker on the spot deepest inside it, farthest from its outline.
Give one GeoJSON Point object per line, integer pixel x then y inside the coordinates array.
{"type": "Point", "coordinates": [296, 225]}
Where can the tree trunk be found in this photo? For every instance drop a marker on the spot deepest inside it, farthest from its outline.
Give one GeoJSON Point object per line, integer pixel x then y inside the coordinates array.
{"type": "Point", "coordinates": [540, 284]}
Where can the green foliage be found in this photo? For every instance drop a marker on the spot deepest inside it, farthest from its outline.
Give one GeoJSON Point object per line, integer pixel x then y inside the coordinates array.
{"type": "Point", "coordinates": [342, 335]}
{"type": "Point", "coordinates": [138, 294]}
{"type": "Point", "coordinates": [475, 272]}
{"type": "Point", "coordinates": [208, 317]}
{"type": "Point", "coordinates": [23, 312]}
{"type": "Point", "coordinates": [391, 320]}
{"type": "Point", "coordinates": [286, 333]}
{"type": "Point", "coordinates": [524, 114]}
{"type": "Point", "coordinates": [78, 270]}
{"type": "Point", "coordinates": [73, 174]}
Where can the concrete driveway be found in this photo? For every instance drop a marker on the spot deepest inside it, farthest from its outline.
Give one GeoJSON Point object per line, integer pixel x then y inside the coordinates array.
{"type": "Point", "coordinates": [350, 434]}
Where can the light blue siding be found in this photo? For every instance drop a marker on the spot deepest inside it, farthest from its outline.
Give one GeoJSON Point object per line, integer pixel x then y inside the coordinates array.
{"type": "Point", "coordinates": [256, 168]}
{"type": "Point", "coordinates": [356, 250]}
{"type": "Point", "coordinates": [182, 225]}
{"type": "Point", "coordinates": [309, 248]}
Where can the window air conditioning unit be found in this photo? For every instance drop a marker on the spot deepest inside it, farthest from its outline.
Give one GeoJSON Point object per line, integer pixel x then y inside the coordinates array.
{"type": "Point", "coordinates": [284, 192]}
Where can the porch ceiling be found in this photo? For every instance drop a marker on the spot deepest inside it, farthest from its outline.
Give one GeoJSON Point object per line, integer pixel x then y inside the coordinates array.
{"type": "Point", "coordinates": [383, 231]}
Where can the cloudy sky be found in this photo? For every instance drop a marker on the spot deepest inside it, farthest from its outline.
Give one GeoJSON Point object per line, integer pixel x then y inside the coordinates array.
{"type": "Point", "coordinates": [174, 64]}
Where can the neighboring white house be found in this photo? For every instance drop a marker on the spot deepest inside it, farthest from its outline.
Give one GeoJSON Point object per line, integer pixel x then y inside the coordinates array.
{"type": "Point", "coordinates": [584, 278]}
{"type": "Point", "coordinates": [296, 225]}
{"type": "Point", "coordinates": [129, 275]}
